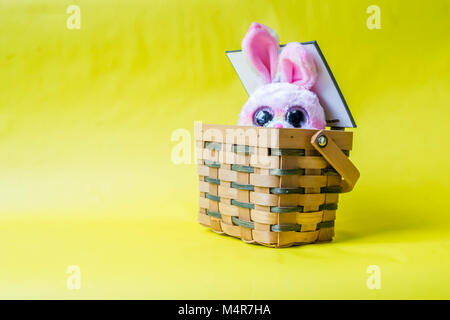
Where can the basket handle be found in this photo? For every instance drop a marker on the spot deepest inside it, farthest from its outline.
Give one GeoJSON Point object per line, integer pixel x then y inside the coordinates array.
{"type": "Point", "coordinates": [338, 160]}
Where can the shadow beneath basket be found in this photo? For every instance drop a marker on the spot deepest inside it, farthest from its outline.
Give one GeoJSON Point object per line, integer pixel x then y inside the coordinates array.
{"type": "Point", "coordinates": [372, 227]}
{"type": "Point", "coordinates": [378, 225]}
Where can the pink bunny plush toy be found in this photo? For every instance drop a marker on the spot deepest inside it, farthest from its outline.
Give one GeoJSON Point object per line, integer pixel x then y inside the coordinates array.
{"type": "Point", "coordinates": [285, 100]}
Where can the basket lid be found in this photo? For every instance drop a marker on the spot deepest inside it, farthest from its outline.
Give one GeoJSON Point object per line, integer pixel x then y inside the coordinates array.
{"type": "Point", "coordinates": [337, 113]}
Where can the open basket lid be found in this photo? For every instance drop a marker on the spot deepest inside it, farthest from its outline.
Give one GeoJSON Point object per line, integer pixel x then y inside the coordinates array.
{"type": "Point", "coordinates": [337, 113]}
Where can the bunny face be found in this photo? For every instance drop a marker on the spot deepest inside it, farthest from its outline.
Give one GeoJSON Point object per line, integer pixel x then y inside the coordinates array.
{"type": "Point", "coordinates": [285, 101]}
{"type": "Point", "coordinates": [282, 105]}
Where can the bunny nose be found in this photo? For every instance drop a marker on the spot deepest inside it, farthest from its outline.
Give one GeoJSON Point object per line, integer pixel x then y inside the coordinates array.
{"type": "Point", "coordinates": [278, 125]}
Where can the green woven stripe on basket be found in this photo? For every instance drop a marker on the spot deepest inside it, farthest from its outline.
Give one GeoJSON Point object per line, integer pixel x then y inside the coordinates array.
{"type": "Point", "coordinates": [213, 213]}
{"type": "Point", "coordinates": [213, 145]}
{"type": "Point", "coordinates": [212, 197]}
{"type": "Point", "coordinates": [212, 164]}
{"type": "Point", "coordinates": [287, 172]}
{"type": "Point", "coordinates": [325, 224]}
{"type": "Point", "coordinates": [328, 172]}
{"type": "Point", "coordinates": [212, 180]}
{"type": "Point", "coordinates": [241, 168]}
{"type": "Point", "coordinates": [242, 223]}
{"type": "Point", "coordinates": [298, 227]}
{"type": "Point", "coordinates": [287, 190]}
{"type": "Point", "coordinates": [287, 152]}
{"type": "Point", "coordinates": [333, 189]}
{"type": "Point", "coordinates": [242, 149]}
{"type": "Point", "coordinates": [243, 186]}
{"type": "Point", "coordinates": [328, 206]}
{"type": "Point", "coordinates": [242, 204]}
{"type": "Point", "coordinates": [285, 227]}
{"type": "Point", "coordinates": [286, 209]}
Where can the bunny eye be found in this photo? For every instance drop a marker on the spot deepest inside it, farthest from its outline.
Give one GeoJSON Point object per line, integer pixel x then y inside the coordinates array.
{"type": "Point", "coordinates": [297, 117]}
{"type": "Point", "coordinates": [262, 116]}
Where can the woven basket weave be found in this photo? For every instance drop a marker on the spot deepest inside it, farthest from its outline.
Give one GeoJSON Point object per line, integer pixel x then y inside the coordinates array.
{"type": "Point", "coordinates": [275, 187]}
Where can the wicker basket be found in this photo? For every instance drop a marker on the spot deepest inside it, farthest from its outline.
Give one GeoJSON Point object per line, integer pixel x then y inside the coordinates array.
{"type": "Point", "coordinates": [275, 187]}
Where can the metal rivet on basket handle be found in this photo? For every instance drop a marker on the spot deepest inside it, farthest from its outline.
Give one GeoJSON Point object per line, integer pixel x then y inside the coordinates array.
{"type": "Point", "coordinates": [325, 145]}
{"type": "Point", "coordinates": [322, 141]}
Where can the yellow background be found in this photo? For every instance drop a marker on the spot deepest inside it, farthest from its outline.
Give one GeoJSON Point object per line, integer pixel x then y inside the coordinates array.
{"type": "Point", "coordinates": [86, 177]}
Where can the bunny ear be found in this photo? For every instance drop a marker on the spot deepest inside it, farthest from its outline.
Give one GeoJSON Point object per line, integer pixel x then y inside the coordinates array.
{"type": "Point", "coordinates": [260, 45]}
{"type": "Point", "coordinates": [296, 66]}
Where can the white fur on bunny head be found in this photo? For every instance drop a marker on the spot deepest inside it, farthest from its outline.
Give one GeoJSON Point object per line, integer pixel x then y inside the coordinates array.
{"type": "Point", "coordinates": [285, 104]}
